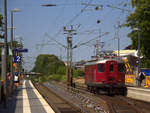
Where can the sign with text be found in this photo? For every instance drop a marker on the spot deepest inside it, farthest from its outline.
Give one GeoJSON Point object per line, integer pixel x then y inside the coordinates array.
{"type": "Point", "coordinates": [17, 59]}
{"type": "Point", "coordinates": [20, 50]}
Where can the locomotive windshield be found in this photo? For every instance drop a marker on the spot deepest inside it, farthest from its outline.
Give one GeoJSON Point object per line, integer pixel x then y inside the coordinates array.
{"type": "Point", "coordinates": [111, 68]}
{"type": "Point", "coordinates": [101, 67]}
{"type": "Point", "coordinates": [120, 67]}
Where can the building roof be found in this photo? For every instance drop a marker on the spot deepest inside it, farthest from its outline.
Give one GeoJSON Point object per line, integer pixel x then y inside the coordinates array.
{"type": "Point", "coordinates": [127, 52]}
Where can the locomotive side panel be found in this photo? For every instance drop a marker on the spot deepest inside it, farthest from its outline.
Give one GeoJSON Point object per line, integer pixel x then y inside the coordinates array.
{"type": "Point", "coordinates": [90, 74]}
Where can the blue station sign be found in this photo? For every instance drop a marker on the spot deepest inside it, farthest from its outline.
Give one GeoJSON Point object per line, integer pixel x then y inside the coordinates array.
{"type": "Point", "coordinates": [20, 50]}
{"type": "Point", "coordinates": [17, 59]}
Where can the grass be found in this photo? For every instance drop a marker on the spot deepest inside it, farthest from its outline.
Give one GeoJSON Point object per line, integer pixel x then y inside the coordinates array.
{"type": "Point", "coordinates": [56, 77]}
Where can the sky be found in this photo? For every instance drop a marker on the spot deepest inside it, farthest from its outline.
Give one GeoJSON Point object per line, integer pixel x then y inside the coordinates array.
{"type": "Point", "coordinates": [39, 26]}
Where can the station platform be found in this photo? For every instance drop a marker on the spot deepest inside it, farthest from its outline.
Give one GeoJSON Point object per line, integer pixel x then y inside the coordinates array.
{"type": "Point", "coordinates": [26, 99]}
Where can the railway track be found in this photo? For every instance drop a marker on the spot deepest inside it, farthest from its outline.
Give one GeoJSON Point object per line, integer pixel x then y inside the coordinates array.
{"type": "Point", "coordinates": [122, 104]}
{"type": "Point", "coordinates": [58, 104]}
{"type": "Point", "coordinates": [117, 105]}
{"type": "Point", "coordinates": [76, 98]}
{"type": "Point", "coordinates": [138, 105]}
{"type": "Point", "coordinates": [87, 102]}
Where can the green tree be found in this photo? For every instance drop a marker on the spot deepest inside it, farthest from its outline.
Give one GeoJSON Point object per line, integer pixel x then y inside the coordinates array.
{"type": "Point", "coordinates": [140, 19]}
{"type": "Point", "coordinates": [49, 64]}
{"type": "Point", "coordinates": [78, 72]}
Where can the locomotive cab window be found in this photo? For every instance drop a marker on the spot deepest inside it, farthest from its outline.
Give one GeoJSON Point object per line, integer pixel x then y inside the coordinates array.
{"type": "Point", "coordinates": [101, 67]}
{"type": "Point", "coordinates": [120, 67]}
{"type": "Point", "coordinates": [111, 68]}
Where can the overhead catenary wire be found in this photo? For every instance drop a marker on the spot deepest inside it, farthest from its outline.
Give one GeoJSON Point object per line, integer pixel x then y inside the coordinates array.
{"type": "Point", "coordinates": [46, 34]}
{"type": "Point", "coordinates": [86, 5]}
{"type": "Point", "coordinates": [59, 14]}
{"type": "Point", "coordinates": [110, 6]}
{"type": "Point", "coordinates": [78, 14]}
{"type": "Point", "coordinates": [59, 31]}
{"type": "Point", "coordinates": [106, 14]}
{"type": "Point", "coordinates": [72, 20]}
{"type": "Point", "coordinates": [56, 35]}
{"type": "Point", "coordinates": [84, 43]}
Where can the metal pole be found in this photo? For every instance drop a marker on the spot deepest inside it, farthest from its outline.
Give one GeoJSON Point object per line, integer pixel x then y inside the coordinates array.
{"type": "Point", "coordinates": [118, 28]}
{"type": "Point", "coordinates": [139, 61]}
{"type": "Point", "coordinates": [12, 77]}
{"type": "Point", "coordinates": [71, 61]}
{"type": "Point", "coordinates": [69, 55]}
{"type": "Point", "coordinates": [68, 76]}
{"type": "Point", "coordinates": [118, 46]}
{"type": "Point", "coordinates": [97, 47]}
{"type": "Point", "coordinates": [4, 65]}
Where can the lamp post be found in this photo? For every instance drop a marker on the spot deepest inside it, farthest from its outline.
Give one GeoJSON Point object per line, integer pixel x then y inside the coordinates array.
{"type": "Point", "coordinates": [48, 5]}
{"type": "Point", "coordinates": [12, 78]}
{"type": "Point", "coordinates": [139, 54]}
{"type": "Point", "coordinates": [12, 11]}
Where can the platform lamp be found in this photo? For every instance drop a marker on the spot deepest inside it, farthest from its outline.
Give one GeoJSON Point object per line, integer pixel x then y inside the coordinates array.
{"type": "Point", "coordinates": [11, 40]}
{"type": "Point", "coordinates": [48, 5]}
{"type": "Point", "coordinates": [139, 54]}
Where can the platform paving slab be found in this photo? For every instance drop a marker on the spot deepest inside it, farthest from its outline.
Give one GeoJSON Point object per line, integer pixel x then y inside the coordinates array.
{"type": "Point", "coordinates": [26, 99]}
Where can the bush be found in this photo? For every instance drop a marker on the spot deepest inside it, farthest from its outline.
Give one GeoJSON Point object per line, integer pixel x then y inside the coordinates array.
{"type": "Point", "coordinates": [57, 77]}
{"type": "Point", "coordinates": [61, 70]}
{"type": "Point", "coordinates": [78, 73]}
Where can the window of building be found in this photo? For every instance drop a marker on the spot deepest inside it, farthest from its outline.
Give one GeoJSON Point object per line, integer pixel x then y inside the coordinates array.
{"type": "Point", "coordinates": [101, 67]}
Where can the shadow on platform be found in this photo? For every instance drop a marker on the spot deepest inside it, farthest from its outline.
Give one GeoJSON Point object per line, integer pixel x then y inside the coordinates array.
{"type": "Point", "coordinates": [11, 103]}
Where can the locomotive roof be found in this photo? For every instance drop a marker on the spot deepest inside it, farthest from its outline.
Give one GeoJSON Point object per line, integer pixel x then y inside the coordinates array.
{"type": "Point", "coordinates": [92, 62]}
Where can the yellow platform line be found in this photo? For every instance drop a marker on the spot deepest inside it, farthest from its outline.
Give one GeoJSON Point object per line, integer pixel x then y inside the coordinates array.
{"type": "Point", "coordinates": [26, 105]}
{"type": "Point", "coordinates": [45, 105]}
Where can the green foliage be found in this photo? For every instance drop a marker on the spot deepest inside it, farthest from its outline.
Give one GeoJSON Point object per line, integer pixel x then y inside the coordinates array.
{"type": "Point", "coordinates": [58, 77]}
{"type": "Point", "coordinates": [49, 64]}
{"type": "Point", "coordinates": [140, 19]}
{"type": "Point", "coordinates": [78, 73]}
{"type": "Point", "coordinates": [34, 79]}
{"type": "Point", "coordinates": [61, 70]}
{"type": "Point", "coordinates": [145, 63]}
{"type": "Point", "coordinates": [44, 78]}
{"type": "Point", "coordinates": [51, 67]}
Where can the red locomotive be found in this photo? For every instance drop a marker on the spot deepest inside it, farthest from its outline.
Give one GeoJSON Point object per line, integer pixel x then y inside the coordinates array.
{"type": "Point", "coordinates": [106, 74]}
